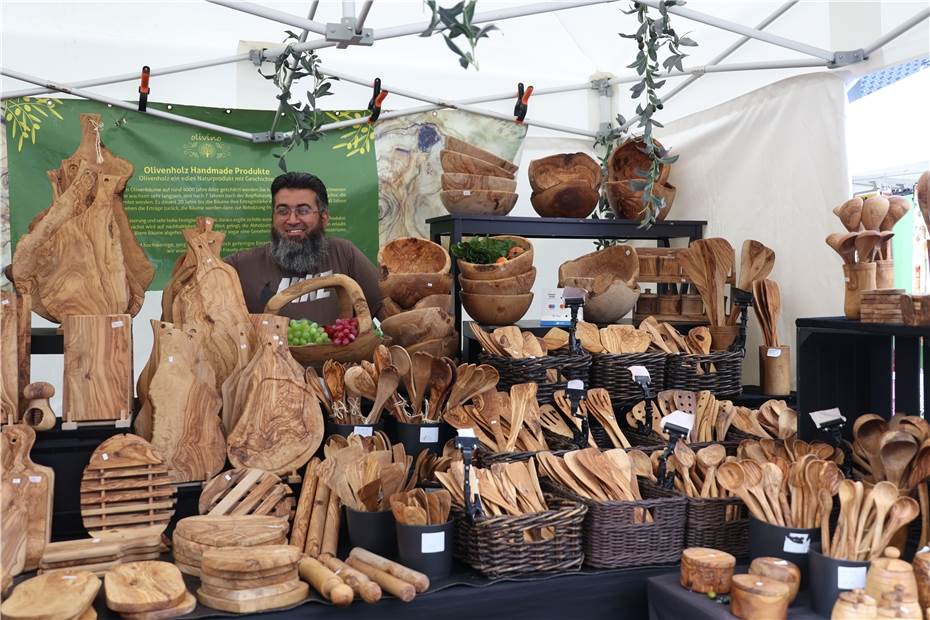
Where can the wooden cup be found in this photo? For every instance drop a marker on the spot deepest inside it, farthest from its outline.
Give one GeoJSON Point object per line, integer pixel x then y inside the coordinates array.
{"type": "Point", "coordinates": [775, 370]}
{"type": "Point", "coordinates": [722, 336]}
{"type": "Point", "coordinates": [884, 274]}
{"type": "Point", "coordinates": [859, 277]}
{"type": "Point", "coordinates": [669, 305]}
{"type": "Point", "coordinates": [648, 303]}
{"type": "Point", "coordinates": [692, 305]}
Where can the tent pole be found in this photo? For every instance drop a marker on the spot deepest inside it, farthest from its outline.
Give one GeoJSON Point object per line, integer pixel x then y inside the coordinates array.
{"type": "Point", "coordinates": [896, 32]}
{"type": "Point", "coordinates": [293, 66]}
{"type": "Point", "coordinates": [753, 33]}
{"type": "Point", "coordinates": [716, 60]}
{"type": "Point", "coordinates": [728, 68]}
{"type": "Point", "coordinates": [362, 16]}
{"type": "Point", "coordinates": [116, 103]}
{"type": "Point", "coordinates": [274, 15]}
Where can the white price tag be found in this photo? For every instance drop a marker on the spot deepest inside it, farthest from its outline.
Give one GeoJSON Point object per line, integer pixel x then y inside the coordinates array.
{"type": "Point", "coordinates": [773, 352]}
{"type": "Point", "coordinates": [5, 302]}
{"type": "Point", "coordinates": [170, 359]}
{"type": "Point", "coordinates": [466, 192]}
{"type": "Point", "coordinates": [639, 371]}
{"type": "Point", "coordinates": [850, 577]}
{"type": "Point", "coordinates": [825, 416]}
{"type": "Point", "coordinates": [797, 542]}
{"type": "Point", "coordinates": [432, 542]}
{"type": "Point", "coordinates": [116, 324]}
{"type": "Point", "coordinates": [362, 431]}
{"type": "Point", "coordinates": [35, 479]}
{"type": "Point", "coordinates": [16, 480]}
{"type": "Point", "coordinates": [466, 432]}
{"type": "Point", "coordinates": [429, 434]}
{"type": "Point", "coordinates": [105, 456]}
{"type": "Point", "coordinates": [679, 418]}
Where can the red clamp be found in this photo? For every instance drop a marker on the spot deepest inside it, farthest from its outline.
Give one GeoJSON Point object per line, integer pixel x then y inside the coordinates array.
{"type": "Point", "coordinates": [144, 89]}
{"type": "Point", "coordinates": [377, 96]}
{"type": "Point", "coordinates": [523, 98]}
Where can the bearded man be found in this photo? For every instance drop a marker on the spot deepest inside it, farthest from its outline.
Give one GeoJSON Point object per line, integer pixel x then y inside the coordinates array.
{"type": "Point", "coordinates": [299, 250]}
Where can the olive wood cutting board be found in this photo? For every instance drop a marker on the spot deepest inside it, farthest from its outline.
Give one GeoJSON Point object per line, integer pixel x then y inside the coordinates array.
{"type": "Point", "coordinates": [97, 368]}
{"type": "Point", "coordinates": [250, 559]}
{"type": "Point", "coordinates": [131, 467]}
{"type": "Point", "coordinates": [9, 358]}
{"type": "Point", "coordinates": [61, 595]}
{"type": "Point", "coordinates": [139, 587]}
{"type": "Point", "coordinates": [195, 535]}
{"type": "Point", "coordinates": [256, 605]}
{"type": "Point", "coordinates": [34, 486]}
{"type": "Point", "coordinates": [186, 263]}
{"type": "Point", "coordinates": [246, 491]}
{"type": "Point", "coordinates": [13, 527]}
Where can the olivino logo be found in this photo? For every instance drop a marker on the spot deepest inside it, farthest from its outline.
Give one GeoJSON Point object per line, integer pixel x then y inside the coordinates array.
{"type": "Point", "coordinates": [206, 146]}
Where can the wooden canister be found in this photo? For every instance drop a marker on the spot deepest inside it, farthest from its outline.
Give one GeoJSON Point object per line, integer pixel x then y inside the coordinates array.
{"type": "Point", "coordinates": [722, 336]}
{"type": "Point", "coordinates": [706, 570]}
{"type": "Point", "coordinates": [899, 604]}
{"type": "Point", "coordinates": [754, 597]}
{"type": "Point", "coordinates": [859, 277]}
{"type": "Point", "coordinates": [669, 305]}
{"type": "Point", "coordinates": [648, 303]}
{"type": "Point", "coordinates": [887, 572]}
{"type": "Point", "coordinates": [668, 266]}
{"type": "Point", "coordinates": [884, 274]}
{"type": "Point", "coordinates": [921, 566]}
{"type": "Point", "coordinates": [780, 570]}
{"type": "Point", "coordinates": [692, 305]}
{"type": "Point", "coordinates": [775, 370]}
{"type": "Point", "coordinates": [648, 266]}
{"type": "Point", "coordinates": [854, 605]}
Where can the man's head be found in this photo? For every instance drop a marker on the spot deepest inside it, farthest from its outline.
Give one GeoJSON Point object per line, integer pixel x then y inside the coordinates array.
{"type": "Point", "coordinates": [300, 213]}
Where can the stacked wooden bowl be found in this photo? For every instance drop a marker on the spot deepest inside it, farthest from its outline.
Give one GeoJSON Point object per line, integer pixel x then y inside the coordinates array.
{"type": "Point", "coordinates": [475, 181]}
{"type": "Point", "coordinates": [565, 185]}
{"type": "Point", "coordinates": [609, 276]}
{"type": "Point", "coordinates": [499, 293]}
{"type": "Point", "coordinates": [415, 274]}
{"type": "Point", "coordinates": [624, 169]}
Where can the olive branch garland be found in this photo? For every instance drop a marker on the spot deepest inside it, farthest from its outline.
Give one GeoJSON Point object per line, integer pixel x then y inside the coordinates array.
{"type": "Point", "coordinates": [457, 21]}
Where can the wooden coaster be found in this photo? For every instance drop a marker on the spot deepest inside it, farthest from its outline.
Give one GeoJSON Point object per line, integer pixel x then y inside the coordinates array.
{"type": "Point", "coordinates": [187, 569]}
{"type": "Point", "coordinates": [187, 605]}
{"type": "Point", "coordinates": [256, 605]}
{"type": "Point", "coordinates": [257, 574]}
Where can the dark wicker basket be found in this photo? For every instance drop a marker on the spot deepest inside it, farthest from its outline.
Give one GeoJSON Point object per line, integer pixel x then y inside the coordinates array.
{"type": "Point", "coordinates": [612, 372]}
{"type": "Point", "coordinates": [707, 524]}
{"type": "Point", "coordinates": [726, 379]}
{"type": "Point", "coordinates": [613, 540]}
{"type": "Point", "coordinates": [533, 370]}
{"type": "Point", "coordinates": [495, 547]}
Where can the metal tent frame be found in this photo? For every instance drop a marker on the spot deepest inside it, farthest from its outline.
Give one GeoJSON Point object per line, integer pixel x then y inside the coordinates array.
{"type": "Point", "coordinates": [352, 30]}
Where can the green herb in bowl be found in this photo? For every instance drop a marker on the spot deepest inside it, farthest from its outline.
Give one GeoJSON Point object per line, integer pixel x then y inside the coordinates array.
{"type": "Point", "coordinates": [483, 250]}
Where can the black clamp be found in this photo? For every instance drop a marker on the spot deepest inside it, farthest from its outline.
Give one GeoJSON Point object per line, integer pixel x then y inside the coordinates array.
{"type": "Point", "coordinates": [377, 96]}
{"type": "Point", "coordinates": [576, 394]}
{"type": "Point", "coordinates": [468, 445]}
{"type": "Point", "coordinates": [644, 381]}
{"type": "Point", "coordinates": [665, 478]}
{"type": "Point", "coordinates": [574, 299]}
{"type": "Point", "coordinates": [523, 98]}
{"type": "Point", "coordinates": [833, 424]}
{"type": "Point", "coordinates": [144, 88]}
{"type": "Point", "coordinates": [744, 300]}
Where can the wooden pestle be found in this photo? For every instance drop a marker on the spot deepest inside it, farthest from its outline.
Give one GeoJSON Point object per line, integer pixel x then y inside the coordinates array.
{"type": "Point", "coordinates": [368, 590]}
{"type": "Point", "coordinates": [398, 587]}
{"type": "Point", "coordinates": [325, 581]}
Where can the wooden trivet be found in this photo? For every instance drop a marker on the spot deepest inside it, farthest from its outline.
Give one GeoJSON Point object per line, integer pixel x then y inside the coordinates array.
{"type": "Point", "coordinates": [247, 491]}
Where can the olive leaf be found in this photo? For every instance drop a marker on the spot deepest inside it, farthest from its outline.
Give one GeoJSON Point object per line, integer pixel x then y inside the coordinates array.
{"type": "Point", "coordinates": [457, 22]}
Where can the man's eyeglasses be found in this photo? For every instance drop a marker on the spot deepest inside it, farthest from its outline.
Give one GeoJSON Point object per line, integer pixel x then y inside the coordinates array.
{"type": "Point", "coordinates": [301, 211]}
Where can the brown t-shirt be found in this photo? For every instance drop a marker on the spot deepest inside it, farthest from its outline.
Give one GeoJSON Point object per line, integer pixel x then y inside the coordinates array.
{"type": "Point", "coordinates": [262, 278]}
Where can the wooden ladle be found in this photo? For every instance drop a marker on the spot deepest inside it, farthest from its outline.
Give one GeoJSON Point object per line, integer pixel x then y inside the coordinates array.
{"type": "Point", "coordinates": [896, 450]}
{"type": "Point", "coordinates": [874, 210]}
{"type": "Point", "coordinates": [884, 495]}
{"type": "Point", "coordinates": [850, 213]}
{"type": "Point", "coordinates": [866, 242]}
{"type": "Point", "coordinates": [710, 457]}
{"type": "Point", "coordinates": [730, 476]}
{"type": "Point", "coordinates": [903, 511]}
{"type": "Point", "coordinates": [867, 435]}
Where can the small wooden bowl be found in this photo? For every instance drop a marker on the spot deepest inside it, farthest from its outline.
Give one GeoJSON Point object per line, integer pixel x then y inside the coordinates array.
{"type": "Point", "coordinates": [515, 285]}
{"type": "Point", "coordinates": [619, 262]}
{"type": "Point", "coordinates": [629, 159]}
{"type": "Point", "coordinates": [443, 302]}
{"type": "Point", "coordinates": [458, 180]}
{"type": "Point", "coordinates": [496, 309]}
{"type": "Point", "coordinates": [460, 146]}
{"type": "Point", "coordinates": [415, 326]}
{"type": "Point", "coordinates": [564, 168]}
{"type": "Point", "coordinates": [413, 255]}
{"type": "Point", "coordinates": [409, 288]}
{"type": "Point", "coordinates": [569, 199]}
{"type": "Point", "coordinates": [453, 161]}
{"type": "Point", "coordinates": [496, 271]}
{"type": "Point", "coordinates": [627, 203]}
{"type": "Point", "coordinates": [477, 202]}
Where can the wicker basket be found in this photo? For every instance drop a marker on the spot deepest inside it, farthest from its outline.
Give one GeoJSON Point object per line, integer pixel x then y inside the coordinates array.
{"type": "Point", "coordinates": [612, 372]}
{"type": "Point", "coordinates": [721, 373]}
{"type": "Point", "coordinates": [613, 540]}
{"type": "Point", "coordinates": [495, 546]}
{"type": "Point", "coordinates": [707, 524]}
{"type": "Point", "coordinates": [533, 370]}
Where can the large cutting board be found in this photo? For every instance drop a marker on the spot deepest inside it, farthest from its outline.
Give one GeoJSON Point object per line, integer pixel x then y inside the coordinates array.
{"type": "Point", "coordinates": [34, 486]}
{"type": "Point", "coordinates": [98, 368]}
{"type": "Point", "coordinates": [9, 358]}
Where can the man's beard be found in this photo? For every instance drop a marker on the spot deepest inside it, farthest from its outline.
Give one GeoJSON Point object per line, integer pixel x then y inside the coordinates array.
{"type": "Point", "coordinates": [299, 257]}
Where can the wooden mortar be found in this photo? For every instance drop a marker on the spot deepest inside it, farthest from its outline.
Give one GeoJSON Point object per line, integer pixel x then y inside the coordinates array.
{"type": "Point", "coordinates": [706, 570]}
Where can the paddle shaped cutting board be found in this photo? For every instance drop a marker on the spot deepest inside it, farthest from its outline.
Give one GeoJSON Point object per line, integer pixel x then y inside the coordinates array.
{"type": "Point", "coordinates": [34, 487]}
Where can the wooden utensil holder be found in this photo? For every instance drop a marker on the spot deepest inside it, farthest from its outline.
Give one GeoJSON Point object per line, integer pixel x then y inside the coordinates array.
{"type": "Point", "coordinates": [859, 277]}
{"type": "Point", "coordinates": [669, 305]}
{"type": "Point", "coordinates": [648, 266]}
{"type": "Point", "coordinates": [648, 303]}
{"type": "Point", "coordinates": [754, 597]}
{"type": "Point", "coordinates": [722, 336]}
{"type": "Point", "coordinates": [830, 576]}
{"type": "Point", "coordinates": [775, 370]}
{"type": "Point", "coordinates": [692, 305]}
{"type": "Point", "coordinates": [884, 273]}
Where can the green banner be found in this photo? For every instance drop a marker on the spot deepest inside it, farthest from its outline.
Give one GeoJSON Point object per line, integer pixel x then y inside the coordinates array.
{"type": "Point", "coordinates": [182, 172]}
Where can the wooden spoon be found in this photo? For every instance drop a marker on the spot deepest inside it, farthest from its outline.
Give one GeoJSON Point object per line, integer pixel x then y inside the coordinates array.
{"type": "Point", "coordinates": [903, 511]}
{"type": "Point", "coordinates": [401, 361]}
{"type": "Point", "coordinates": [440, 382]}
{"type": "Point", "coordinates": [896, 450]}
{"type": "Point", "coordinates": [884, 495]}
{"type": "Point", "coordinates": [642, 465]}
{"type": "Point", "coordinates": [850, 214]}
{"type": "Point", "coordinates": [359, 382]}
{"type": "Point", "coordinates": [826, 505]}
{"type": "Point", "coordinates": [866, 242]}
{"type": "Point", "coordinates": [898, 208]}
{"type": "Point", "coordinates": [710, 457]}
{"type": "Point", "coordinates": [685, 456]}
{"type": "Point", "coordinates": [772, 479]}
{"type": "Point", "coordinates": [387, 386]}
{"type": "Point", "coordinates": [837, 547]}
{"type": "Point", "coordinates": [837, 241]}
{"type": "Point", "coordinates": [730, 476]}
{"type": "Point", "coordinates": [756, 263]}
{"type": "Point", "coordinates": [867, 435]}
{"type": "Point", "coordinates": [874, 210]}
{"type": "Point", "coordinates": [421, 369]}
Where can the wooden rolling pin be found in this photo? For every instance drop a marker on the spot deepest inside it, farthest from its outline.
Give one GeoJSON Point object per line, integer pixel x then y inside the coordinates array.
{"type": "Point", "coordinates": [325, 581]}
{"type": "Point", "coordinates": [368, 590]}
{"type": "Point", "coordinates": [418, 579]}
{"type": "Point", "coordinates": [398, 587]}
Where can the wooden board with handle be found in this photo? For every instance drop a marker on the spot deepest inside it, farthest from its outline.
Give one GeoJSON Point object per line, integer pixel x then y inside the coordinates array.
{"type": "Point", "coordinates": [97, 368]}
{"type": "Point", "coordinates": [125, 485]}
{"type": "Point", "coordinates": [246, 491]}
{"type": "Point", "coordinates": [34, 486]}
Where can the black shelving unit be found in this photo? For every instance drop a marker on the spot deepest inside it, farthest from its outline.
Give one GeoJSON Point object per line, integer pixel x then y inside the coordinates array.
{"type": "Point", "coordinates": [860, 368]}
{"type": "Point", "coordinates": [457, 226]}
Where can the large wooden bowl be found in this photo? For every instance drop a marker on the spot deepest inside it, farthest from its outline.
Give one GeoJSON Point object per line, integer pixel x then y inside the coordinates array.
{"type": "Point", "coordinates": [460, 146]}
{"type": "Point", "coordinates": [351, 303]}
{"type": "Point", "coordinates": [496, 309]}
{"type": "Point", "coordinates": [628, 203]}
{"type": "Point", "coordinates": [609, 305]}
{"type": "Point", "coordinates": [617, 262]}
{"type": "Point", "coordinates": [413, 255]}
{"type": "Point", "coordinates": [443, 302]}
{"type": "Point", "coordinates": [453, 161]}
{"type": "Point", "coordinates": [438, 347]}
{"type": "Point", "coordinates": [477, 202]}
{"type": "Point", "coordinates": [408, 288]}
{"type": "Point", "coordinates": [515, 285]}
{"type": "Point", "coordinates": [414, 326]}
{"type": "Point", "coordinates": [564, 168]}
{"type": "Point", "coordinates": [496, 271]}
{"type": "Point", "coordinates": [569, 199]}
{"type": "Point", "coordinates": [628, 161]}
{"type": "Point", "coordinates": [457, 180]}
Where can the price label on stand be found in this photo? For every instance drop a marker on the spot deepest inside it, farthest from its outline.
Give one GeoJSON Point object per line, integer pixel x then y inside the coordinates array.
{"type": "Point", "coordinates": [639, 372]}
{"type": "Point", "coordinates": [680, 419]}
{"type": "Point", "coordinates": [827, 417]}
{"type": "Point", "coordinates": [362, 431]}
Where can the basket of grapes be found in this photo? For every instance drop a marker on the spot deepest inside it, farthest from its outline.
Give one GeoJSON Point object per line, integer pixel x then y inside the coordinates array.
{"type": "Point", "coordinates": [351, 338]}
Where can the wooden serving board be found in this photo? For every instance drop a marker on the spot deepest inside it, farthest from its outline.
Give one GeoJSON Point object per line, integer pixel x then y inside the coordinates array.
{"type": "Point", "coordinates": [249, 559]}
{"type": "Point", "coordinates": [98, 368]}
{"type": "Point", "coordinates": [34, 486]}
{"type": "Point", "coordinates": [61, 595]}
{"type": "Point", "coordinates": [140, 587]}
{"type": "Point", "coordinates": [256, 605]}
{"type": "Point", "coordinates": [247, 491]}
{"type": "Point", "coordinates": [13, 527]}
{"type": "Point", "coordinates": [193, 536]}
{"type": "Point", "coordinates": [244, 583]}
{"type": "Point", "coordinates": [9, 358]}
{"type": "Point", "coordinates": [126, 485]}
{"type": "Point", "coordinates": [186, 606]}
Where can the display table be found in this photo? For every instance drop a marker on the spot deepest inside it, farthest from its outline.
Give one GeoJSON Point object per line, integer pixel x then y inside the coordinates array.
{"type": "Point", "coordinates": [669, 601]}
